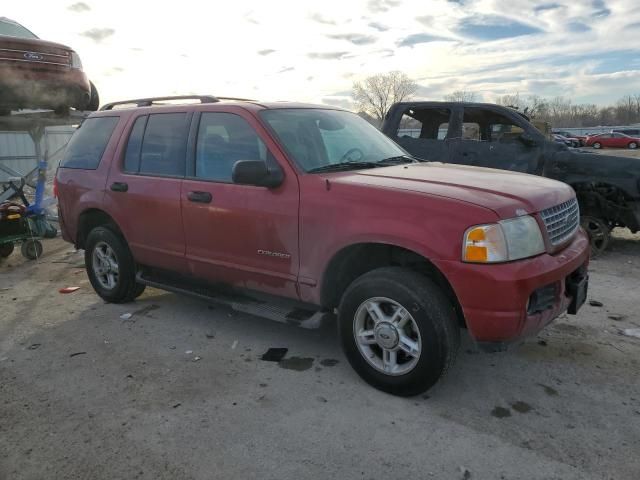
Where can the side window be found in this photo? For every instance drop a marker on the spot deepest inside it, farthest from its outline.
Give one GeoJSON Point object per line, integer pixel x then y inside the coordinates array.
{"type": "Point", "coordinates": [487, 125]}
{"type": "Point", "coordinates": [134, 145]}
{"type": "Point", "coordinates": [164, 145]}
{"type": "Point", "coordinates": [427, 123]}
{"type": "Point", "coordinates": [88, 143]}
{"type": "Point", "coordinates": [223, 139]}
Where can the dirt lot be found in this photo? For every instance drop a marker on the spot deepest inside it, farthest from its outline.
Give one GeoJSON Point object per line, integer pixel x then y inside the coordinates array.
{"type": "Point", "coordinates": [85, 394]}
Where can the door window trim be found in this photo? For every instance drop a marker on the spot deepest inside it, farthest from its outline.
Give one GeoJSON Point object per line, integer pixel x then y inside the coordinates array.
{"type": "Point", "coordinates": [188, 125]}
{"type": "Point", "coordinates": [192, 145]}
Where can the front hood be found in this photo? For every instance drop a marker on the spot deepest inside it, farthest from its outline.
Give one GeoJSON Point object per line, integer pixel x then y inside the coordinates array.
{"type": "Point", "coordinates": [509, 194]}
{"type": "Point", "coordinates": [33, 45]}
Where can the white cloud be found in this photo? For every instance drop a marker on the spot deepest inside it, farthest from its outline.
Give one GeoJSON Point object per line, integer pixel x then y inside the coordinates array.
{"type": "Point", "coordinates": [315, 50]}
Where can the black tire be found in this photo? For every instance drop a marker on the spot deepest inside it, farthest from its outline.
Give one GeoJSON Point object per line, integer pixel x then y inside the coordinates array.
{"type": "Point", "coordinates": [125, 288]}
{"type": "Point", "coordinates": [6, 250]}
{"type": "Point", "coordinates": [632, 145]}
{"type": "Point", "coordinates": [31, 249]}
{"type": "Point", "coordinates": [599, 233]}
{"type": "Point", "coordinates": [431, 312]}
{"type": "Point", "coordinates": [94, 100]}
{"type": "Point", "coordinates": [597, 145]}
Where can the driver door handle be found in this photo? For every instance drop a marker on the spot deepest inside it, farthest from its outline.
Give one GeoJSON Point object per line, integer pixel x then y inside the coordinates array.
{"type": "Point", "coordinates": [119, 187]}
{"type": "Point", "coordinates": [199, 197]}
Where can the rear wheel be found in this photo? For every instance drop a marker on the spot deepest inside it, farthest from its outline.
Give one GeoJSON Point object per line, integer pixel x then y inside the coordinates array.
{"type": "Point", "coordinates": [599, 233]}
{"type": "Point", "coordinates": [110, 266]}
{"type": "Point", "coordinates": [597, 145]}
{"type": "Point", "coordinates": [398, 330]}
{"type": "Point", "coordinates": [633, 145]}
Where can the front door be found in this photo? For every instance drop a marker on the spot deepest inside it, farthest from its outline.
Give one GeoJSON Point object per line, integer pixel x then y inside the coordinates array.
{"type": "Point", "coordinates": [423, 132]}
{"type": "Point", "coordinates": [487, 138]}
{"type": "Point", "coordinates": [143, 190]}
{"type": "Point", "coordinates": [242, 235]}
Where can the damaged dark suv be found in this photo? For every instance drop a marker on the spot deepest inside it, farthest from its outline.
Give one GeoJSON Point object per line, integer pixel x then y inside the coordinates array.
{"type": "Point", "coordinates": [488, 135]}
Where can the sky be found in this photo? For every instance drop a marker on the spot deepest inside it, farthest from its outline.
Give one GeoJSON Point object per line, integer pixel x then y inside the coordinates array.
{"type": "Point", "coordinates": [313, 51]}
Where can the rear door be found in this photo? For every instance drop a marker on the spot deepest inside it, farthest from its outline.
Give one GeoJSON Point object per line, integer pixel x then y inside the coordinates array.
{"type": "Point", "coordinates": [489, 138]}
{"type": "Point", "coordinates": [143, 190]}
{"type": "Point", "coordinates": [619, 140]}
{"type": "Point", "coordinates": [242, 235]}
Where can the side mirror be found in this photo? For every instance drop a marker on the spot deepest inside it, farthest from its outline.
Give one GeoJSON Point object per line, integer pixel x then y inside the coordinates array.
{"type": "Point", "coordinates": [528, 139]}
{"type": "Point", "coordinates": [256, 172]}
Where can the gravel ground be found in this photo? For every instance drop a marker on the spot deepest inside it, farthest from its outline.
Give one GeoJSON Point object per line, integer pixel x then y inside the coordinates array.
{"type": "Point", "coordinates": [178, 391]}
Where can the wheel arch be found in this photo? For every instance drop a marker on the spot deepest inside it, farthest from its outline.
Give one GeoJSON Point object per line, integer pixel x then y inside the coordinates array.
{"type": "Point", "coordinates": [90, 219]}
{"type": "Point", "coordinates": [352, 261]}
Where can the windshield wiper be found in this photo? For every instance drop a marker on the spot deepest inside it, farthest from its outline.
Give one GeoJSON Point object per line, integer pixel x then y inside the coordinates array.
{"type": "Point", "coordinates": [337, 167]}
{"type": "Point", "coordinates": [399, 160]}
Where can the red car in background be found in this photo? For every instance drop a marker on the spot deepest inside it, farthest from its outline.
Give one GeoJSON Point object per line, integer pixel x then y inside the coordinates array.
{"type": "Point", "coordinates": [38, 74]}
{"type": "Point", "coordinates": [614, 140]}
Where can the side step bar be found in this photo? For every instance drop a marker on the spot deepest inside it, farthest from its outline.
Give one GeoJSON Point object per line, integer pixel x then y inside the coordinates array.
{"type": "Point", "coordinates": [276, 309]}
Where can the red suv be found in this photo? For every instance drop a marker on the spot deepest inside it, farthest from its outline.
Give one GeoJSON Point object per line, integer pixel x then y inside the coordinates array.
{"type": "Point", "coordinates": [38, 74]}
{"type": "Point", "coordinates": [302, 209]}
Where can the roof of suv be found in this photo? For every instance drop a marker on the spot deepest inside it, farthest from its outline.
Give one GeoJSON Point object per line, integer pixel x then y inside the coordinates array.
{"type": "Point", "coordinates": [205, 103]}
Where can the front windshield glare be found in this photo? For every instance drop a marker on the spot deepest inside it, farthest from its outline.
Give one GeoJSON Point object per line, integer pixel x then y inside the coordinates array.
{"type": "Point", "coordinates": [12, 29]}
{"type": "Point", "coordinates": [316, 138]}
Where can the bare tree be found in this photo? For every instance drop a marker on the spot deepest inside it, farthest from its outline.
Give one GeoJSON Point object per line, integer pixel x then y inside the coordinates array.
{"type": "Point", "coordinates": [461, 96]}
{"type": "Point", "coordinates": [374, 95]}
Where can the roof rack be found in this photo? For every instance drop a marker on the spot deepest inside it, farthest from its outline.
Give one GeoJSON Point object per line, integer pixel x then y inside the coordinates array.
{"type": "Point", "coordinates": [148, 102]}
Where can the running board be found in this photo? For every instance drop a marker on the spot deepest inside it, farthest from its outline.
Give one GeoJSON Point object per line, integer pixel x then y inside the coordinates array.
{"type": "Point", "coordinates": [272, 308]}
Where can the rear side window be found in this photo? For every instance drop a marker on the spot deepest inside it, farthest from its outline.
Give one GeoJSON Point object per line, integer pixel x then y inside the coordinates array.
{"type": "Point", "coordinates": [88, 143]}
{"type": "Point", "coordinates": [157, 145]}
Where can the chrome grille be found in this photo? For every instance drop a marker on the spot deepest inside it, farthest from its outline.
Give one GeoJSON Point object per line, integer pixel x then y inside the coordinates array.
{"type": "Point", "coordinates": [561, 221]}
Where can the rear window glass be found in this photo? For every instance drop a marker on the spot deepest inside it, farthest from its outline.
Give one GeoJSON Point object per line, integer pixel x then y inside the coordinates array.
{"type": "Point", "coordinates": [164, 145]}
{"type": "Point", "coordinates": [87, 145]}
{"type": "Point", "coordinates": [132, 154]}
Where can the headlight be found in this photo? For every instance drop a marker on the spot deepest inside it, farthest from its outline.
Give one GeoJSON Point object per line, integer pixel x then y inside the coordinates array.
{"type": "Point", "coordinates": [75, 61]}
{"type": "Point", "coordinates": [504, 241]}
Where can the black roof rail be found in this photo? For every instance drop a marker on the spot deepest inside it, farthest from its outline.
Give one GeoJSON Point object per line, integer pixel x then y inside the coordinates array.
{"type": "Point", "coordinates": [147, 102]}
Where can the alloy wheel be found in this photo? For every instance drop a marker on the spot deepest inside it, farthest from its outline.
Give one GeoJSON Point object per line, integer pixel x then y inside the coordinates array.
{"type": "Point", "coordinates": [387, 336]}
{"type": "Point", "coordinates": [105, 265]}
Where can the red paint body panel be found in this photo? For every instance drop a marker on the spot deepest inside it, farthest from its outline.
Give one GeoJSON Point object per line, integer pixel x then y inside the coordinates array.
{"type": "Point", "coordinates": [309, 218]}
{"type": "Point", "coordinates": [494, 297]}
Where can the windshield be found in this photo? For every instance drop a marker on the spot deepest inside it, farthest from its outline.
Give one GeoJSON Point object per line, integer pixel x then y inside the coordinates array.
{"type": "Point", "coordinates": [13, 29]}
{"type": "Point", "coordinates": [317, 139]}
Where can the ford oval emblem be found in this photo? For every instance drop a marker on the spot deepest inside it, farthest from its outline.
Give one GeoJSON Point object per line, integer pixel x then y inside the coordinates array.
{"type": "Point", "coordinates": [33, 56]}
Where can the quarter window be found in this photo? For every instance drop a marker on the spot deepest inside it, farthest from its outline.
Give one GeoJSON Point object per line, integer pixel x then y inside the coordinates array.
{"type": "Point", "coordinates": [88, 143]}
{"type": "Point", "coordinates": [223, 139]}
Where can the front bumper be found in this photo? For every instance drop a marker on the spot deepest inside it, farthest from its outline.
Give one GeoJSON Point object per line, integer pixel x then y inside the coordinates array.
{"type": "Point", "coordinates": [39, 88]}
{"type": "Point", "coordinates": [497, 299]}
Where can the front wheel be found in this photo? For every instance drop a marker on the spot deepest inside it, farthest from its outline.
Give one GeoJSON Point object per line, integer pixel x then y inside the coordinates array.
{"type": "Point", "coordinates": [398, 330]}
{"type": "Point", "coordinates": [599, 233]}
{"type": "Point", "coordinates": [6, 249]}
{"type": "Point", "coordinates": [597, 145]}
{"type": "Point", "coordinates": [110, 266]}
{"type": "Point", "coordinates": [31, 249]}
{"type": "Point", "coordinates": [94, 99]}
{"type": "Point", "coordinates": [633, 145]}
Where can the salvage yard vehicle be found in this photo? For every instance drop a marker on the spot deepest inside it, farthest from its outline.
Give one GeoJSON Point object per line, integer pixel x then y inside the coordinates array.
{"type": "Point", "coordinates": [37, 74]}
{"type": "Point", "coordinates": [612, 140]}
{"type": "Point", "coordinates": [607, 187]}
{"type": "Point", "coordinates": [303, 210]}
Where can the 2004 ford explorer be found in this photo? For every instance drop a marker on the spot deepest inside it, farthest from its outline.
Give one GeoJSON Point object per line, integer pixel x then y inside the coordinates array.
{"type": "Point", "coordinates": [312, 207]}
